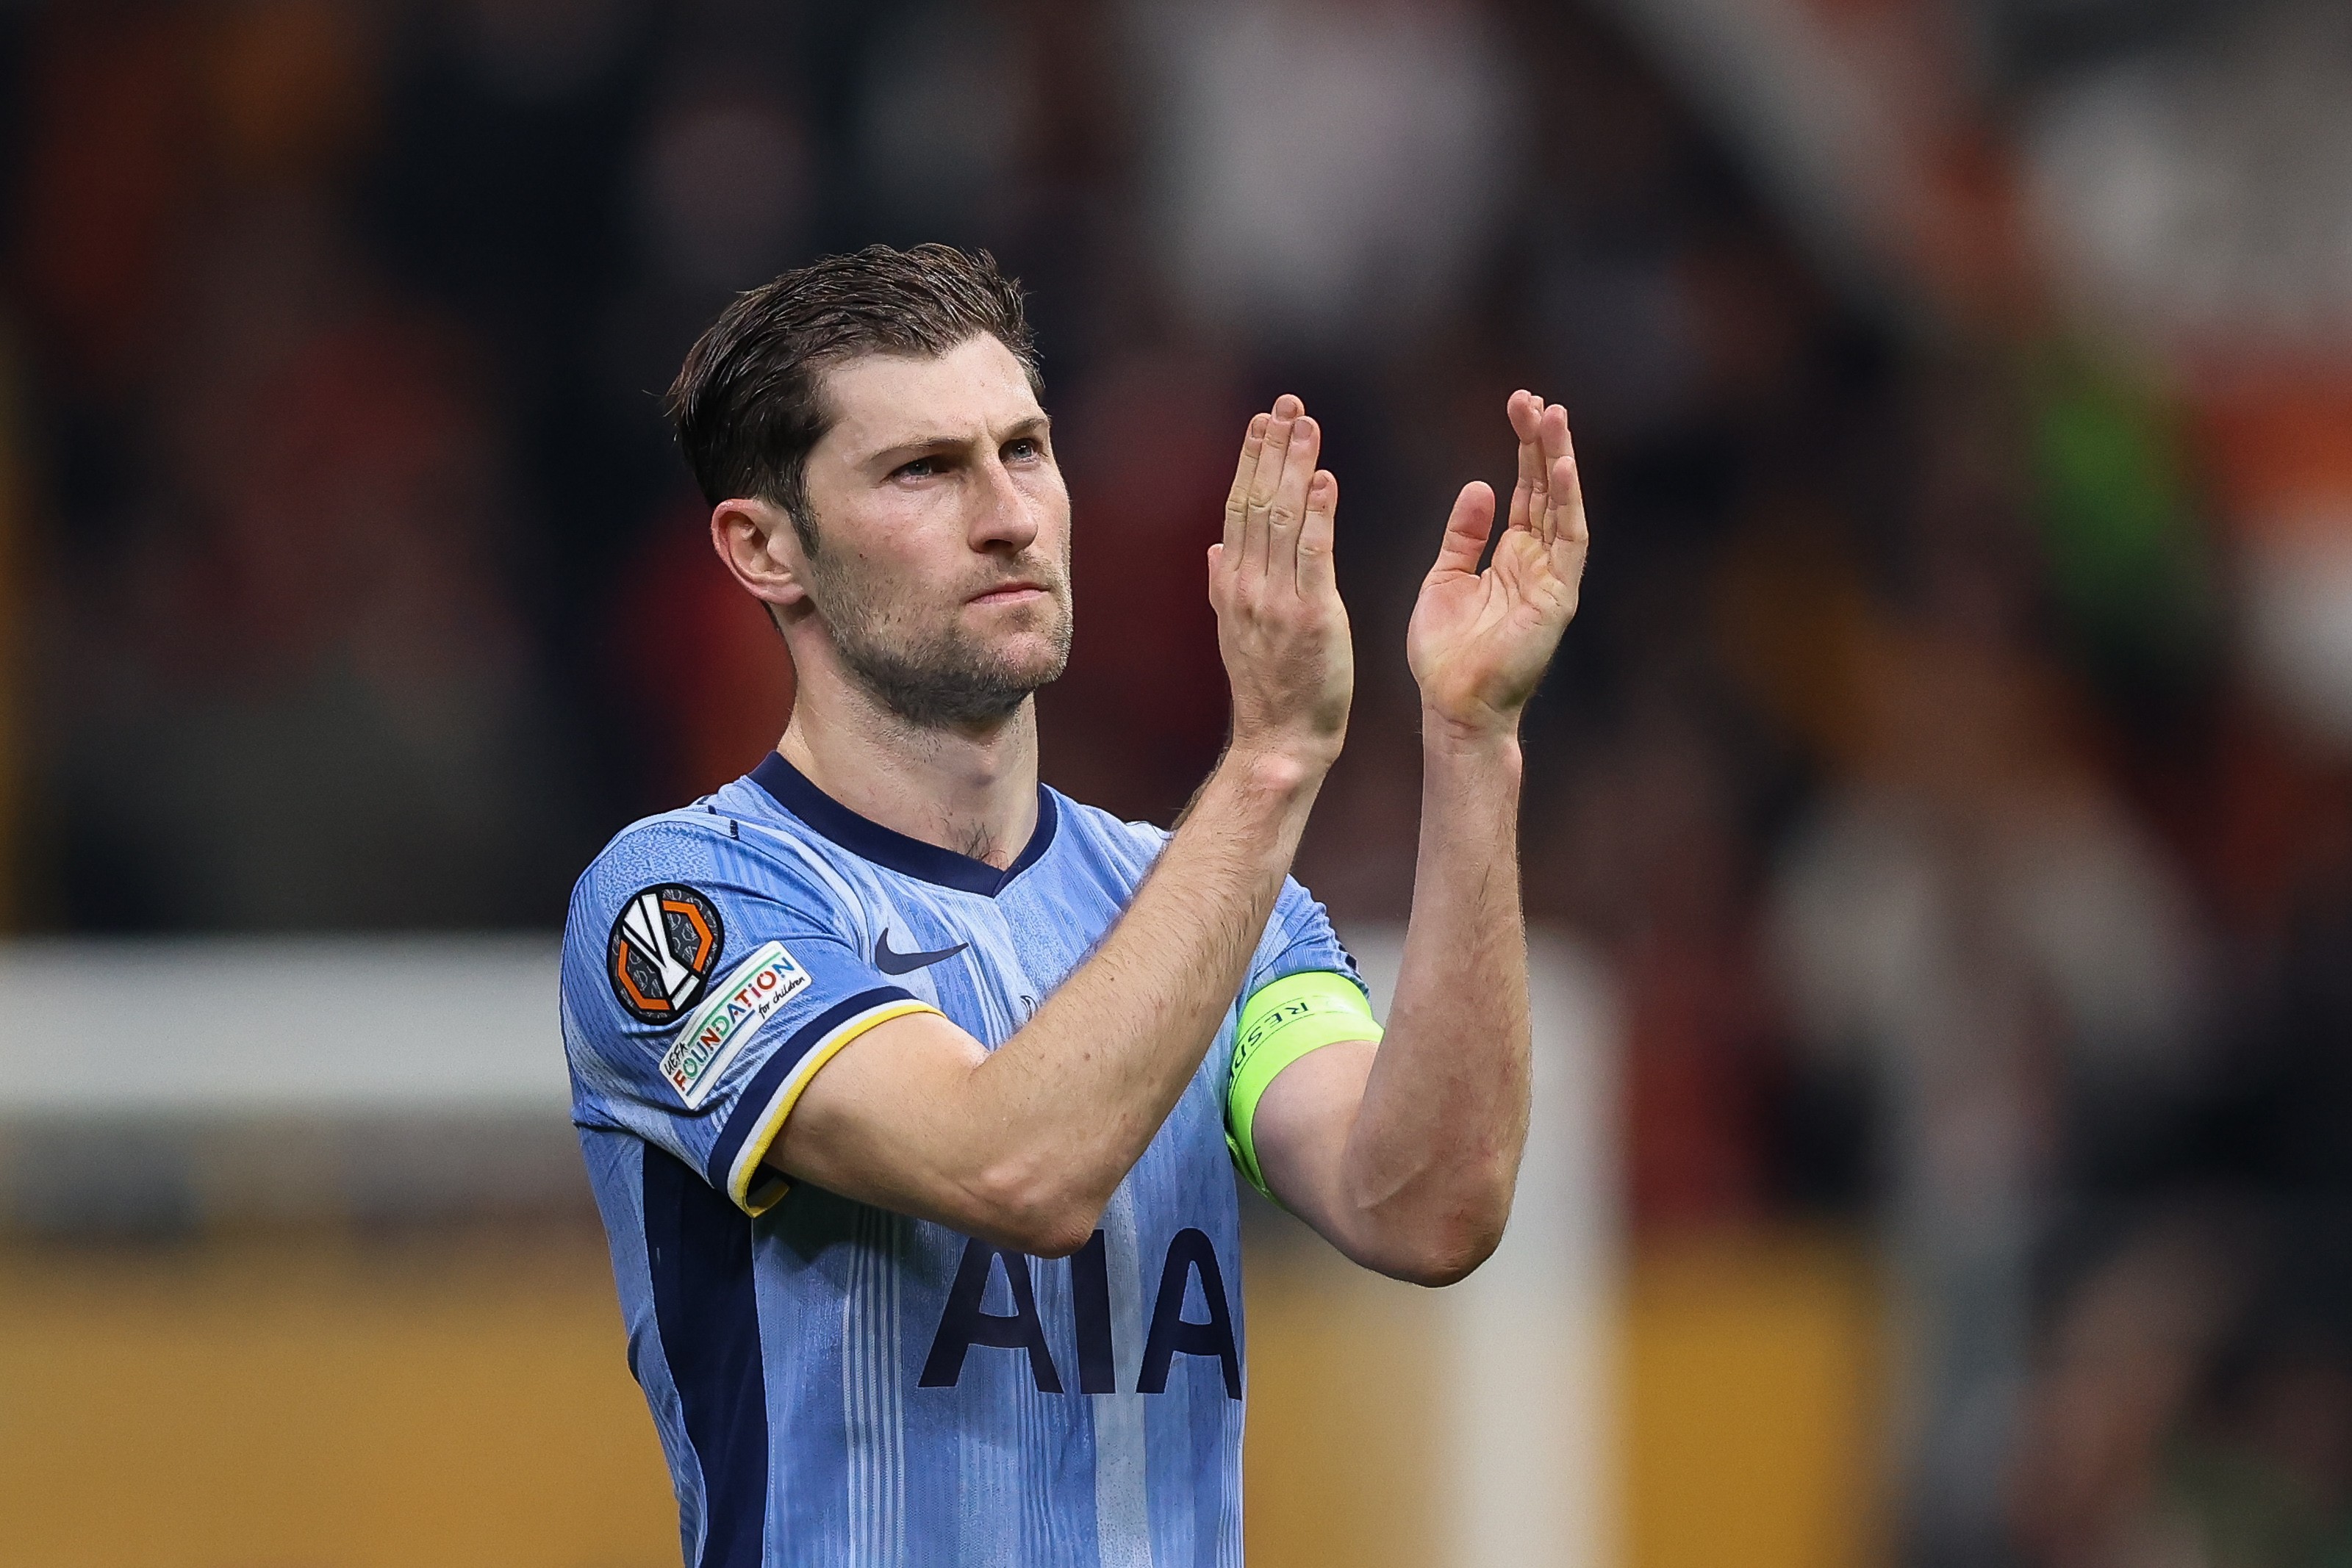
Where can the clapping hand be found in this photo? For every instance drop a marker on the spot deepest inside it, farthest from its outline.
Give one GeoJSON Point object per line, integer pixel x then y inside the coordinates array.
{"type": "Point", "coordinates": [1479, 641]}
{"type": "Point", "coordinates": [1280, 624]}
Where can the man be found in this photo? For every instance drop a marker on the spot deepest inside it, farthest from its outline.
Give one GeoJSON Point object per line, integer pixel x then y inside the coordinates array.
{"type": "Point", "coordinates": [912, 1090]}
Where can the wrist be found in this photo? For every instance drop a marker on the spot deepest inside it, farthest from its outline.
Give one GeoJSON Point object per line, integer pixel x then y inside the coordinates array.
{"type": "Point", "coordinates": [1274, 772]}
{"type": "Point", "coordinates": [1487, 737]}
{"type": "Point", "coordinates": [1256, 802]}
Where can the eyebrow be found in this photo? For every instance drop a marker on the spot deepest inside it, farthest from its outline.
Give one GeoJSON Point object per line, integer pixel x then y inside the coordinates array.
{"type": "Point", "coordinates": [899, 452]}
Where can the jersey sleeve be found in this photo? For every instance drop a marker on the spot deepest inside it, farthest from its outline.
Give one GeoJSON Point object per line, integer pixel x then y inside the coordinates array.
{"type": "Point", "coordinates": [1299, 937]}
{"type": "Point", "coordinates": [704, 985]}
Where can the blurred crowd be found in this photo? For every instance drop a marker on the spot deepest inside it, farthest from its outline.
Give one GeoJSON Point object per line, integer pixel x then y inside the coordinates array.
{"type": "Point", "coordinates": [1962, 874]}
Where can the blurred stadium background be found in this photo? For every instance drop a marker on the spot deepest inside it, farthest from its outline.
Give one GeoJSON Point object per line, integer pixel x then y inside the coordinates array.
{"type": "Point", "coordinates": [1940, 817]}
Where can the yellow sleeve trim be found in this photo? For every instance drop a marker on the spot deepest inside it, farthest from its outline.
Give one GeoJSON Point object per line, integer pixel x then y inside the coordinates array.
{"type": "Point", "coordinates": [758, 1186]}
{"type": "Point", "coordinates": [1280, 1024]}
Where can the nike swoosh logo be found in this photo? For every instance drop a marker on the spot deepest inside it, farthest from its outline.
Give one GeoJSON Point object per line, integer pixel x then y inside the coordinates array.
{"type": "Point", "coordinates": [891, 962]}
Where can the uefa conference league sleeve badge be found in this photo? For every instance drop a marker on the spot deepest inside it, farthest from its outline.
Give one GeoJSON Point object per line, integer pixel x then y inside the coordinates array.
{"type": "Point", "coordinates": [664, 945]}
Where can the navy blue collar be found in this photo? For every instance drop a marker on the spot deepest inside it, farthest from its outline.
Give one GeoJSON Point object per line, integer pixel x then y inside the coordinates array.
{"type": "Point", "coordinates": [871, 841]}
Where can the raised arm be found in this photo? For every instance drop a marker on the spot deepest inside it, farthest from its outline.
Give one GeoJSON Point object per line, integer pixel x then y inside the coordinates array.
{"type": "Point", "coordinates": [1405, 1156]}
{"type": "Point", "coordinates": [1025, 1144]}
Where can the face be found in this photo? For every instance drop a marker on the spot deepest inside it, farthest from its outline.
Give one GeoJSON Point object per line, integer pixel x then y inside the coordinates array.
{"type": "Point", "coordinates": [943, 534]}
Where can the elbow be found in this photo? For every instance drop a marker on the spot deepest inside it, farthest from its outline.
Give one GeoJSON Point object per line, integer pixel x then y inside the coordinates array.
{"type": "Point", "coordinates": [1446, 1259]}
{"type": "Point", "coordinates": [1442, 1247]}
{"type": "Point", "coordinates": [1059, 1235]}
{"type": "Point", "coordinates": [1032, 1211]}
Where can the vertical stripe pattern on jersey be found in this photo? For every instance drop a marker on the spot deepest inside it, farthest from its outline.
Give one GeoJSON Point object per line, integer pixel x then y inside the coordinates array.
{"type": "Point", "coordinates": [1122, 1509]}
{"type": "Point", "coordinates": [872, 1409]}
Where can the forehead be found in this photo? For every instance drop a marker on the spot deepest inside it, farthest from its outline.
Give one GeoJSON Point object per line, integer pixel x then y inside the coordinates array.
{"type": "Point", "coordinates": [880, 401]}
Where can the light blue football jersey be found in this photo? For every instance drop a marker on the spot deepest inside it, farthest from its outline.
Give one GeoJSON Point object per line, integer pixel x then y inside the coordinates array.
{"type": "Point", "coordinates": [834, 1383]}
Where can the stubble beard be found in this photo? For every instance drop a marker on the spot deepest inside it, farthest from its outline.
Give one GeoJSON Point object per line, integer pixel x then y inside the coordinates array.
{"type": "Point", "coordinates": [943, 679]}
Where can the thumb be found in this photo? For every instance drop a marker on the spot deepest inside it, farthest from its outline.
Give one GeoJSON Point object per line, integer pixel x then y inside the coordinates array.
{"type": "Point", "coordinates": [1466, 530]}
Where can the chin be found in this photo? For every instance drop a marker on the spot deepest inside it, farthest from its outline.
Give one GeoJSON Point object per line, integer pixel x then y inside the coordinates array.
{"type": "Point", "coordinates": [1034, 661]}
{"type": "Point", "coordinates": [1042, 646]}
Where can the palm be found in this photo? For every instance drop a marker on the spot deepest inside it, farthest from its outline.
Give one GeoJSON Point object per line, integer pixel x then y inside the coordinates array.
{"type": "Point", "coordinates": [1479, 641]}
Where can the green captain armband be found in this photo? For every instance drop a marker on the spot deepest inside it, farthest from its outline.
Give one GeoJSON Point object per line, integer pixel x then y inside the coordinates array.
{"type": "Point", "coordinates": [1280, 1024]}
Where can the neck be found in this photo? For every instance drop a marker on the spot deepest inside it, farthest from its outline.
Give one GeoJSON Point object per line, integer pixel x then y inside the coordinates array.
{"type": "Point", "coordinates": [972, 791]}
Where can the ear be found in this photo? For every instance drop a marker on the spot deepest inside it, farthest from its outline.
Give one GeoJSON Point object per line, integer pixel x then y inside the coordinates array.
{"type": "Point", "coordinates": [755, 539]}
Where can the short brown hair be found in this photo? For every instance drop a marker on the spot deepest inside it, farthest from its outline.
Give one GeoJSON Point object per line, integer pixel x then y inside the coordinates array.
{"type": "Point", "coordinates": [747, 404]}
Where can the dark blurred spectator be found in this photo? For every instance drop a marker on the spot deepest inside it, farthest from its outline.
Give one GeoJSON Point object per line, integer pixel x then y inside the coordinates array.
{"type": "Point", "coordinates": [288, 690]}
{"type": "Point", "coordinates": [1973, 913]}
{"type": "Point", "coordinates": [297, 698]}
{"type": "Point", "coordinates": [1148, 447]}
{"type": "Point", "coordinates": [701, 684]}
{"type": "Point", "coordinates": [2193, 1402]}
{"type": "Point", "coordinates": [2119, 1370]}
{"type": "Point", "coordinates": [1659, 869]}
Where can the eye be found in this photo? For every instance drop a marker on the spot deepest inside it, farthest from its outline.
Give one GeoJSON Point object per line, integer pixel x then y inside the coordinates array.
{"type": "Point", "coordinates": [1022, 450]}
{"type": "Point", "coordinates": [920, 468]}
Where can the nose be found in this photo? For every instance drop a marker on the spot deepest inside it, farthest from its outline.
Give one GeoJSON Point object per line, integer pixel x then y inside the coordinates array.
{"type": "Point", "coordinates": [1004, 516]}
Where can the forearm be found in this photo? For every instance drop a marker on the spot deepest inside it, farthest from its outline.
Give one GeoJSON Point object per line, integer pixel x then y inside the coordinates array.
{"type": "Point", "coordinates": [1055, 1117]}
{"type": "Point", "coordinates": [1434, 1150]}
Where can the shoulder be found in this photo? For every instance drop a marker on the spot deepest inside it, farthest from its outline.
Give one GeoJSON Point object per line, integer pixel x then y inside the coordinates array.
{"type": "Point", "coordinates": [725, 860]}
{"type": "Point", "coordinates": [672, 843]}
{"type": "Point", "coordinates": [676, 900]}
{"type": "Point", "coordinates": [694, 842]}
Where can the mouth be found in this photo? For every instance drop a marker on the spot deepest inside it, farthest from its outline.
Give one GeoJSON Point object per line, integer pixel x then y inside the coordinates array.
{"type": "Point", "coordinates": [1010, 593]}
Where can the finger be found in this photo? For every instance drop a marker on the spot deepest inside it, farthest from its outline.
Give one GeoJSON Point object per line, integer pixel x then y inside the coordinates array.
{"type": "Point", "coordinates": [1525, 408]}
{"type": "Point", "coordinates": [1274, 457]}
{"type": "Point", "coordinates": [1237, 498]}
{"type": "Point", "coordinates": [1532, 461]}
{"type": "Point", "coordinates": [1552, 432]}
{"type": "Point", "coordinates": [1568, 507]}
{"type": "Point", "coordinates": [1315, 535]}
{"type": "Point", "coordinates": [1525, 411]}
{"type": "Point", "coordinates": [1466, 528]}
{"type": "Point", "coordinates": [1287, 519]}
